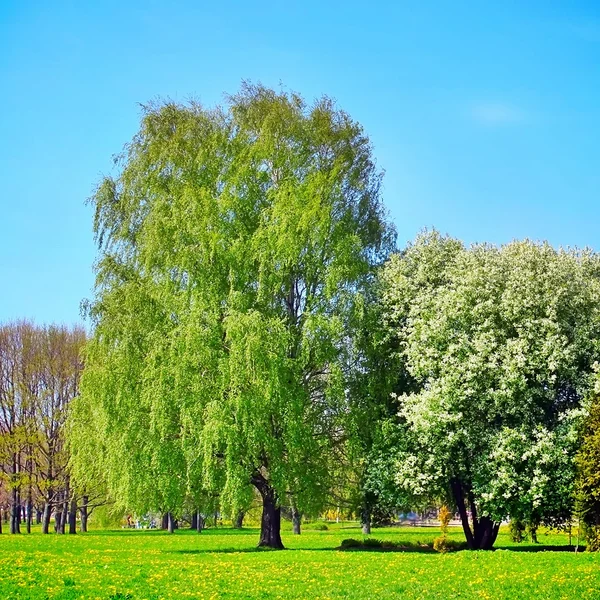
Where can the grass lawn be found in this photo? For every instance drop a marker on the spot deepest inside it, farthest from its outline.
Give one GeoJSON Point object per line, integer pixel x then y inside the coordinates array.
{"type": "Point", "coordinates": [224, 563]}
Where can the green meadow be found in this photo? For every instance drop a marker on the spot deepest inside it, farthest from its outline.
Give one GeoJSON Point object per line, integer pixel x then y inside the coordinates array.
{"type": "Point", "coordinates": [225, 563]}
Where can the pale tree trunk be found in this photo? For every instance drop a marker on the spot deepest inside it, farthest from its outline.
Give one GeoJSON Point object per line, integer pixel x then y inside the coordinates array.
{"type": "Point", "coordinates": [83, 514]}
{"type": "Point", "coordinates": [170, 523]}
{"type": "Point", "coordinates": [199, 522]}
{"type": "Point", "coordinates": [365, 519]}
{"type": "Point", "coordinates": [296, 520]}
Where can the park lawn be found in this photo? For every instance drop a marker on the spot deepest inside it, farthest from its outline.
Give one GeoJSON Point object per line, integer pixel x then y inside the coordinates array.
{"type": "Point", "coordinates": [224, 563]}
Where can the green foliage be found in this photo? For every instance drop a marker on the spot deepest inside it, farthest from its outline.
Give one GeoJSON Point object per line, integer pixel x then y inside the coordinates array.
{"type": "Point", "coordinates": [234, 247]}
{"type": "Point", "coordinates": [502, 342]}
{"type": "Point", "coordinates": [588, 474]}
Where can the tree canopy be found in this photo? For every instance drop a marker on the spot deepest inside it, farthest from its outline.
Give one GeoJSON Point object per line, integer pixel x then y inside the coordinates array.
{"type": "Point", "coordinates": [234, 244]}
{"type": "Point", "coordinates": [502, 342]}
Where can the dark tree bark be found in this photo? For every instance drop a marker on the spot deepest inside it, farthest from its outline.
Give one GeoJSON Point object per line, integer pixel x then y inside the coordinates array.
{"type": "Point", "coordinates": [46, 517]}
{"type": "Point", "coordinates": [29, 511]}
{"type": "Point", "coordinates": [270, 525]}
{"type": "Point", "coordinates": [73, 516]}
{"type": "Point", "coordinates": [194, 521]}
{"type": "Point", "coordinates": [170, 523]}
{"type": "Point", "coordinates": [83, 514]}
{"type": "Point", "coordinates": [57, 520]}
{"type": "Point", "coordinates": [1, 517]}
{"type": "Point", "coordinates": [485, 531]}
{"type": "Point", "coordinates": [15, 512]}
{"type": "Point", "coordinates": [296, 520]}
{"type": "Point", "coordinates": [238, 522]}
{"type": "Point", "coordinates": [165, 521]}
{"type": "Point", "coordinates": [38, 516]}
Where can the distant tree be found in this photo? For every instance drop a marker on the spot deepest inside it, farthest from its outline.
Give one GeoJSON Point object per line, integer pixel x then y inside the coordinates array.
{"type": "Point", "coordinates": [502, 342]}
{"type": "Point", "coordinates": [588, 480]}
{"type": "Point", "coordinates": [233, 245]}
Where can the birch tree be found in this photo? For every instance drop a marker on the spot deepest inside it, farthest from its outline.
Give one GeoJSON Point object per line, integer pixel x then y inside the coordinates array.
{"type": "Point", "coordinates": [233, 244]}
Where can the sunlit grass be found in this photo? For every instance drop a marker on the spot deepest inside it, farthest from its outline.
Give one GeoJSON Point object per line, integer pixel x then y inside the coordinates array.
{"type": "Point", "coordinates": [224, 563]}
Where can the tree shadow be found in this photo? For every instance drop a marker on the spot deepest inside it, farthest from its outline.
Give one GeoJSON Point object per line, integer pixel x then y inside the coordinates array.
{"type": "Point", "coordinates": [541, 548]}
{"type": "Point", "coordinates": [244, 550]}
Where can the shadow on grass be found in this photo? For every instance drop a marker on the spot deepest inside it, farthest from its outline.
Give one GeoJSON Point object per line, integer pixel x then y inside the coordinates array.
{"type": "Point", "coordinates": [540, 548]}
{"type": "Point", "coordinates": [245, 550]}
{"type": "Point", "coordinates": [178, 532]}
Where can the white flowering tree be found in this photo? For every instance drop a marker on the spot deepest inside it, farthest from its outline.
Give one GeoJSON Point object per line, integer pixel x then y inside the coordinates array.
{"type": "Point", "coordinates": [502, 341]}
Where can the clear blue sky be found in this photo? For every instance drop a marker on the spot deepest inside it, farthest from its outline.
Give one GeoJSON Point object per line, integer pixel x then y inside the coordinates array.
{"type": "Point", "coordinates": [484, 115]}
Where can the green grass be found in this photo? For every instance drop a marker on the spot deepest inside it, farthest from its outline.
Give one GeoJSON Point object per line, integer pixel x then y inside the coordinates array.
{"type": "Point", "coordinates": [224, 563]}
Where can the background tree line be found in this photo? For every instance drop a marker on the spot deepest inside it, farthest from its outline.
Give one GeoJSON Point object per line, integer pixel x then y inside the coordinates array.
{"type": "Point", "coordinates": [40, 369]}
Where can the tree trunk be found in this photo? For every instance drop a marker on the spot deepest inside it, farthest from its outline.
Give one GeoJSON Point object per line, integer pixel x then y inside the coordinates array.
{"type": "Point", "coordinates": [29, 512]}
{"type": "Point", "coordinates": [484, 532]}
{"type": "Point", "coordinates": [199, 522]}
{"type": "Point", "coordinates": [73, 516]}
{"type": "Point", "coordinates": [239, 520]}
{"type": "Point", "coordinates": [170, 523]}
{"type": "Point", "coordinates": [165, 521]}
{"type": "Point", "coordinates": [46, 517]}
{"type": "Point", "coordinates": [270, 525]}
{"type": "Point", "coordinates": [365, 519]}
{"type": "Point", "coordinates": [194, 522]}
{"type": "Point", "coordinates": [38, 516]}
{"type": "Point", "coordinates": [1, 515]}
{"type": "Point", "coordinates": [15, 512]}
{"type": "Point", "coordinates": [83, 514]}
{"type": "Point", "coordinates": [65, 508]}
{"type": "Point", "coordinates": [296, 520]}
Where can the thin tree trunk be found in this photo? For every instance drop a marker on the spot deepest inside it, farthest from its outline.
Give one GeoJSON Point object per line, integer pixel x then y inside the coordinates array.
{"type": "Point", "coordinates": [46, 517]}
{"type": "Point", "coordinates": [73, 516]}
{"type": "Point", "coordinates": [15, 512]}
{"type": "Point", "coordinates": [83, 514]}
{"type": "Point", "coordinates": [238, 522]}
{"type": "Point", "coordinates": [194, 521]}
{"type": "Point", "coordinates": [29, 512]}
{"type": "Point", "coordinates": [462, 510]}
{"type": "Point", "coordinates": [270, 525]}
{"type": "Point", "coordinates": [199, 522]}
{"type": "Point", "coordinates": [165, 521]}
{"type": "Point", "coordinates": [1, 515]}
{"type": "Point", "coordinates": [170, 523]}
{"type": "Point", "coordinates": [365, 519]}
{"type": "Point", "coordinates": [296, 520]}
{"type": "Point", "coordinates": [38, 516]}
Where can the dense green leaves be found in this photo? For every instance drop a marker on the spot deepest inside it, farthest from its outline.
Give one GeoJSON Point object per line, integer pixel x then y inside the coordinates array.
{"type": "Point", "coordinates": [233, 246]}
